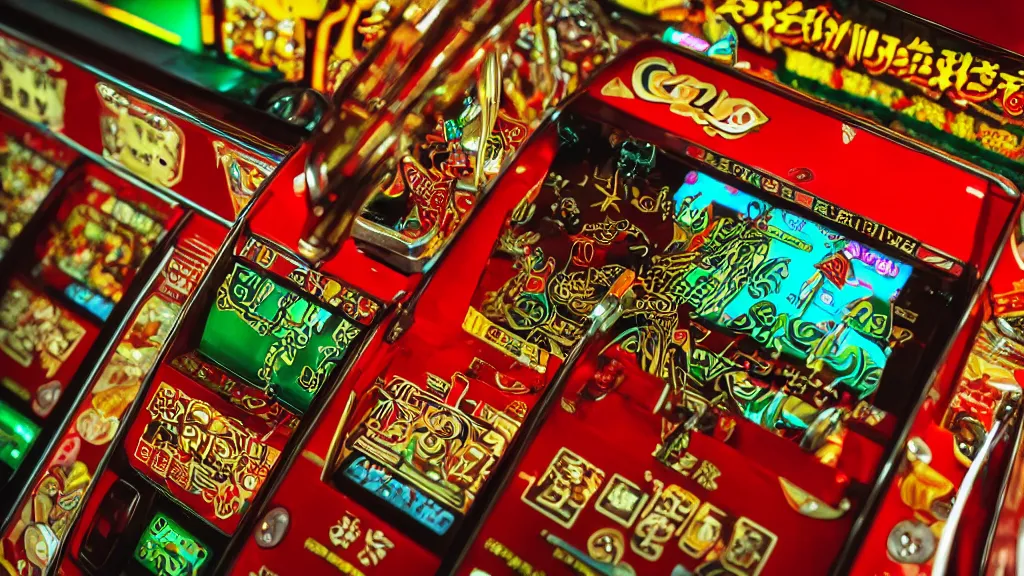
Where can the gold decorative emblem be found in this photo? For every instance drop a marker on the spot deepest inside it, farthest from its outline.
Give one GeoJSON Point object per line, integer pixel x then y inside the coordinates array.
{"type": "Point", "coordinates": [244, 172]}
{"type": "Point", "coordinates": [527, 352]}
{"type": "Point", "coordinates": [562, 492]}
{"type": "Point", "coordinates": [617, 88]}
{"type": "Point", "coordinates": [606, 545]}
{"type": "Point", "coordinates": [667, 512]}
{"type": "Point", "coordinates": [749, 548]}
{"type": "Point", "coordinates": [428, 438]}
{"type": "Point", "coordinates": [621, 500]}
{"type": "Point", "coordinates": [655, 80]}
{"type": "Point", "coordinates": [29, 85]}
{"type": "Point", "coordinates": [138, 138]}
{"type": "Point", "coordinates": [196, 448]}
{"type": "Point", "coordinates": [704, 531]}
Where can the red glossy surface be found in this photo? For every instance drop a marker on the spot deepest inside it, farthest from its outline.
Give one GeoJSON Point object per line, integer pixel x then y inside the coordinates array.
{"type": "Point", "coordinates": [992, 21]}
{"type": "Point", "coordinates": [315, 515]}
{"type": "Point", "coordinates": [437, 326]}
{"type": "Point", "coordinates": [200, 177]}
{"type": "Point", "coordinates": [625, 447]}
{"type": "Point", "coordinates": [103, 483]}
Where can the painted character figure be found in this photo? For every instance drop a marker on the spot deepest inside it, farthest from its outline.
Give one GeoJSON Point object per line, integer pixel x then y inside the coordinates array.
{"type": "Point", "coordinates": [31, 325]}
{"type": "Point", "coordinates": [25, 179]}
{"type": "Point", "coordinates": [270, 34]}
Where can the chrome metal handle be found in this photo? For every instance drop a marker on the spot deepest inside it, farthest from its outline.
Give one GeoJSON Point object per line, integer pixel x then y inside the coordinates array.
{"type": "Point", "coordinates": [943, 552]}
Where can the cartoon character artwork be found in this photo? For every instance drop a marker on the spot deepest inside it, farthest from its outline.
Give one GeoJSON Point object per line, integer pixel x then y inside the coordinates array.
{"type": "Point", "coordinates": [140, 138]}
{"type": "Point", "coordinates": [25, 179]}
{"type": "Point", "coordinates": [47, 516]}
{"type": "Point", "coordinates": [100, 243]}
{"type": "Point", "coordinates": [118, 384]}
{"type": "Point", "coordinates": [35, 331]}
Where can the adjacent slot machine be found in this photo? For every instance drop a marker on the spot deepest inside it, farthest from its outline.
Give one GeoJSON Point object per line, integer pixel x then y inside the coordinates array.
{"type": "Point", "coordinates": [31, 164]}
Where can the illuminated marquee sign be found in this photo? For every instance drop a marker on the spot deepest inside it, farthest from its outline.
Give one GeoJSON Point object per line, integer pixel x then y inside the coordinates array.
{"type": "Point", "coordinates": [936, 68]}
{"type": "Point", "coordinates": [29, 84]}
{"type": "Point", "coordinates": [655, 80]}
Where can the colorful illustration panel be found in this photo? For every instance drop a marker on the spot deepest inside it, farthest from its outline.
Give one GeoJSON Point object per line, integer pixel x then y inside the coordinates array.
{"type": "Point", "coordinates": [98, 420]}
{"type": "Point", "coordinates": [98, 245]}
{"type": "Point", "coordinates": [786, 281]}
{"type": "Point", "coordinates": [88, 437]}
{"type": "Point", "coordinates": [26, 177]}
{"type": "Point", "coordinates": [437, 442]}
{"type": "Point", "coordinates": [41, 345]}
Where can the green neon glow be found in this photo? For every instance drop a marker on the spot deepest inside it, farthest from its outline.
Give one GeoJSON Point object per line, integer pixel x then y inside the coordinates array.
{"type": "Point", "coordinates": [17, 433]}
{"type": "Point", "coordinates": [167, 549]}
{"type": "Point", "coordinates": [274, 338]}
{"type": "Point", "coordinates": [175, 21]}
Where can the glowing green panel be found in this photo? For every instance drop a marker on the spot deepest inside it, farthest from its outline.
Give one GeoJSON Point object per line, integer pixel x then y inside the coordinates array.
{"type": "Point", "coordinates": [274, 338]}
{"type": "Point", "coordinates": [17, 433]}
{"type": "Point", "coordinates": [167, 549]}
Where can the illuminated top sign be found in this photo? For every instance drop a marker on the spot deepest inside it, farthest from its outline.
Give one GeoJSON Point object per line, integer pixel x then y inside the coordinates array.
{"type": "Point", "coordinates": [655, 79]}
{"type": "Point", "coordinates": [976, 75]}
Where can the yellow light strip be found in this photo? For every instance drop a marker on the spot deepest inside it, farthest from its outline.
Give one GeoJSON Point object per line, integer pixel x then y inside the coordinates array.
{"type": "Point", "coordinates": [207, 22]}
{"type": "Point", "coordinates": [132, 20]}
